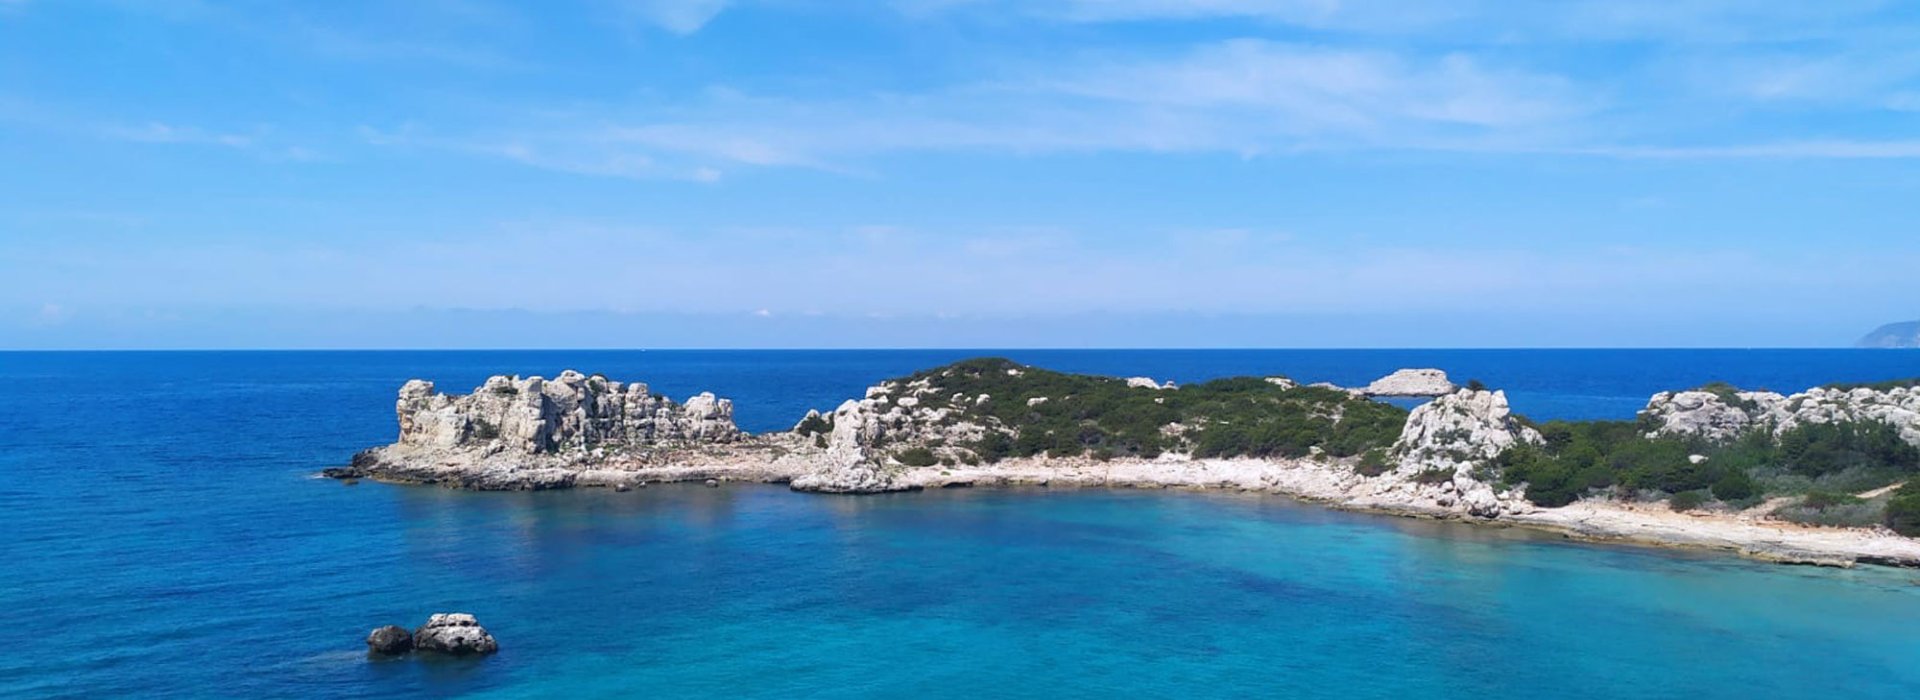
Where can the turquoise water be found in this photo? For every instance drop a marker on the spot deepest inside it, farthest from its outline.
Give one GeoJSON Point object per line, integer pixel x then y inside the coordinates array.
{"type": "Point", "coordinates": [162, 538]}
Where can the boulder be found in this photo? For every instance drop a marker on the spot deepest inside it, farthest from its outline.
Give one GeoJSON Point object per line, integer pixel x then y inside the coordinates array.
{"type": "Point", "coordinates": [455, 634]}
{"type": "Point", "coordinates": [391, 640]}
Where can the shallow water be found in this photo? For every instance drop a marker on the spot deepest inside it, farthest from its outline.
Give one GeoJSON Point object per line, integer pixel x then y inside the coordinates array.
{"type": "Point", "coordinates": [161, 537]}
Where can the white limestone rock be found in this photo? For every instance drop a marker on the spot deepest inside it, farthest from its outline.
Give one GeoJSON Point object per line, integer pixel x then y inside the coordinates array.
{"type": "Point", "coordinates": [1149, 383]}
{"type": "Point", "coordinates": [572, 413]}
{"type": "Point", "coordinates": [456, 634]}
{"type": "Point", "coordinates": [1714, 417]}
{"type": "Point", "coordinates": [1411, 382]}
{"type": "Point", "coordinates": [1459, 434]}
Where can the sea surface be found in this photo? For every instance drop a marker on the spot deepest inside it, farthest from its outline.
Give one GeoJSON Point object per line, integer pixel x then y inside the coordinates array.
{"type": "Point", "coordinates": [161, 535]}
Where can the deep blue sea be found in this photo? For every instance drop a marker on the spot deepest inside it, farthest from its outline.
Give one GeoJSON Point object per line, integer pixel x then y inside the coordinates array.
{"type": "Point", "coordinates": [160, 536]}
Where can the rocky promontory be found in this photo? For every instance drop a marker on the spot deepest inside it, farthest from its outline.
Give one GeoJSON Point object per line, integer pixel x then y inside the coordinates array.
{"type": "Point", "coordinates": [992, 422]}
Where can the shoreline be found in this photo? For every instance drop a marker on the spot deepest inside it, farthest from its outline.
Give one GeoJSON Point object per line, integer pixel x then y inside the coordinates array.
{"type": "Point", "coordinates": [1315, 483]}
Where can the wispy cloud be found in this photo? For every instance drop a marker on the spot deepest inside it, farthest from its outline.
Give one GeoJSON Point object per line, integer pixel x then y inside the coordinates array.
{"type": "Point", "coordinates": [259, 141]}
{"type": "Point", "coordinates": [1236, 96]}
{"type": "Point", "coordinates": [677, 16]}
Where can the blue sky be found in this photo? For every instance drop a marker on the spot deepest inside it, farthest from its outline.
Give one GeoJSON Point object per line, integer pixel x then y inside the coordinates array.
{"type": "Point", "coordinates": [800, 173]}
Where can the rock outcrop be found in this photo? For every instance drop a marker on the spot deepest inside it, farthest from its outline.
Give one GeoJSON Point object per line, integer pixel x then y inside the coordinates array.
{"type": "Point", "coordinates": [391, 640]}
{"type": "Point", "coordinates": [530, 433]}
{"type": "Point", "coordinates": [573, 412]}
{"type": "Point", "coordinates": [1411, 382]}
{"type": "Point", "coordinates": [893, 413]}
{"type": "Point", "coordinates": [1724, 415]}
{"type": "Point", "coordinates": [455, 634]}
{"type": "Point", "coordinates": [1448, 444]}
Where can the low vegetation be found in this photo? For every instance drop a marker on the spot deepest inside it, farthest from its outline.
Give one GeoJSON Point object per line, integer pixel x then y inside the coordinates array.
{"type": "Point", "coordinates": [1889, 385]}
{"type": "Point", "coordinates": [1823, 461]}
{"type": "Point", "coordinates": [1035, 411]}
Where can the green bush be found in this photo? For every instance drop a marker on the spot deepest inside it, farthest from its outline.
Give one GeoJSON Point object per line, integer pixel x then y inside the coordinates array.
{"type": "Point", "coordinates": [1433, 476]}
{"type": "Point", "coordinates": [1735, 485]}
{"type": "Point", "coordinates": [813, 425]}
{"type": "Point", "coordinates": [1888, 385]}
{"type": "Point", "coordinates": [484, 430]}
{"type": "Point", "coordinates": [1823, 500]}
{"type": "Point", "coordinates": [1373, 463]}
{"type": "Point", "coordinates": [1903, 510]}
{"type": "Point", "coordinates": [993, 446]}
{"type": "Point", "coordinates": [1687, 500]}
{"type": "Point", "coordinates": [917, 457]}
{"type": "Point", "coordinates": [1817, 449]}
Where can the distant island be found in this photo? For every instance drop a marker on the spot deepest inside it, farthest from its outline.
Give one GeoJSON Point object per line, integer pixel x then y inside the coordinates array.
{"type": "Point", "coordinates": [1821, 477]}
{"type": "Point", "coordinates": [1893, 335]}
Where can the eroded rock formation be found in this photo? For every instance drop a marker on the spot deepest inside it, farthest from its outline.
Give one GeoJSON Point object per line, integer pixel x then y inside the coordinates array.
{"type": "Point", "coordinates": [1725, 415]}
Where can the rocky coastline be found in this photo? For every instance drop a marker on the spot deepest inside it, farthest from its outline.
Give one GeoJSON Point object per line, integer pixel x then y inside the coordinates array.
{"type": "Point", "coordinates": [910, 434]}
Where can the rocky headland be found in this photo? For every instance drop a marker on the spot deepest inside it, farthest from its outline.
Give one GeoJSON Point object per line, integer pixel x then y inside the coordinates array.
{"type": "Point", "coordinates": [992, 422]}
{"type": "Point", "coordinates": [1905, 334]}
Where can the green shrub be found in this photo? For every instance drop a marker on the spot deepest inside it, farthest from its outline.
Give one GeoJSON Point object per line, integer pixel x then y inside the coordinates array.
{"type": "Point", "coordinates": [813, 425]}
{"type": "Point", "coordinates": [1373, 462]}
{"type": "Point", "coordinates": [1822, 500]}
{"type": "Point", "coordinates": [1816, 449]}
{"type": "Point", "coordinates": [917, 457]}
{"type": "Point", "coordinates": [1433, 476]}
{"type": "Point", "coordinates": [1728, 393]}
{"type": "Point", "coordinates": [1888, 385]}
{"type": "Point", "coordinates": [1903, 510]}
{"type": "Point", "coordinates": [506, 390]}
{"type": "Point", "coordinates": [1735, 485]}
{"type": "Point", "coordinates": [993, 446]}
{"type": "Point", "coordinates": [484, 430]}
{"type": "Point", "coordinates": [1687, 500]}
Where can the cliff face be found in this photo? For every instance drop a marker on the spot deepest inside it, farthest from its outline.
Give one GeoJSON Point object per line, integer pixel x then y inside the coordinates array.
{"type": "Point", "coordinates": [1718, 416]}
{"type": "Point", "coordinates": [573, 412]}
{"type": "Point", "coordinates": [1893, 335]}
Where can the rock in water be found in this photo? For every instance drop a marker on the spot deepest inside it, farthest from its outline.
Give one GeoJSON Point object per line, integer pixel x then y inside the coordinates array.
{"type": "Point", "coordinates": [457, 634]}
{"type": "Point", "coordinates": [1412, 382]}
{"type": "Point", "coordinates": [391, 640]}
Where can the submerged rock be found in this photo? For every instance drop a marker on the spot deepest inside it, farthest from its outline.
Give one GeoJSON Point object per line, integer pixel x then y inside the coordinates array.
{"type": "Point", "coordinates": [391, 640]}
{"type": "Point", "coordinates": [456, 634]}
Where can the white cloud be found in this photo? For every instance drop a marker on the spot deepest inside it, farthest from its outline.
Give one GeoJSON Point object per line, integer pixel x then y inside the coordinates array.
{"type": "Point", "coordinates": [677, 16]}
{"type": "Point", "coordinates": [156, 132]}
{"type": "Point", "coordinates": [1237, 96]}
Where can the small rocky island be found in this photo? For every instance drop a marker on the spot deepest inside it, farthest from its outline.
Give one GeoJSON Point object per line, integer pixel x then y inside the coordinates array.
{"type": "Point", "coordinates": [452, 634]}
{"type": "Point", "coordinates": [1813, 477]}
